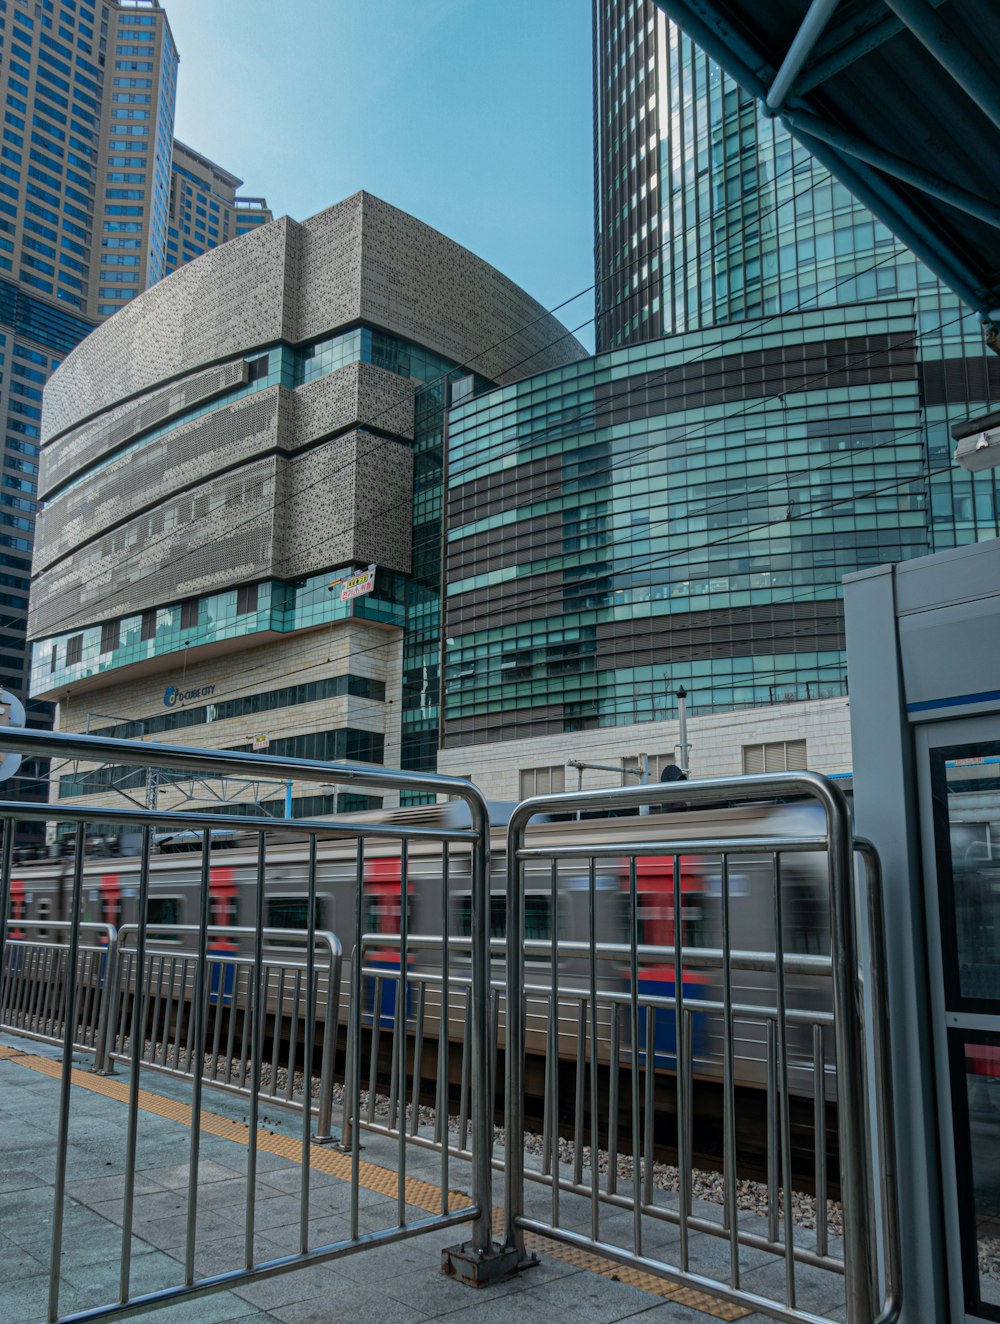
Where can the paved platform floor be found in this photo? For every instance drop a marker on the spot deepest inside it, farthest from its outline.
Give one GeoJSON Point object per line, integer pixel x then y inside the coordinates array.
{"type": "Point", "coordinates": [400, 1282]}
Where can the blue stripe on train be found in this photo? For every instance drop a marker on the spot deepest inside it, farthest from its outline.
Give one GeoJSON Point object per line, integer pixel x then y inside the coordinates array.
{"type": "Point", "coordinates": [665, 1022]}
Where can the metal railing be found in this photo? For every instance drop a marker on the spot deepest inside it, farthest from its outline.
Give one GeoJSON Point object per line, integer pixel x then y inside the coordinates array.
{"type": "Point", "coordinates": [678, 1009]}
{"type": "Point", "coordinates": [165, 985]}
{"type": "Point", "coordinates": [35, 984]}
{"type": "Point", "coordinates": [434, 1013]}
{"type": "Point", "coordinates": [205, 1029]}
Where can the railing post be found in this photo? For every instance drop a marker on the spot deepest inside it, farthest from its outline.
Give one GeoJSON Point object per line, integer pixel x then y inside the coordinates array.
{"type": "Point", "coordinates": [514, 1052]}
{"type": "Point", "coordinates": [482, 1105]}
{"type": "Point", "coordinates": [482, 1260]}
{"type": "Point", "coordinates": [352, 1059]}
{"type": "Point", "coordinates": [849, 1052]}
{"type": "Point", "coordinates": [323, 1134]}
{"type": "Point", "coordinates": [884, 1111]}
{"type": "Point", "coordinates": [109, 991]}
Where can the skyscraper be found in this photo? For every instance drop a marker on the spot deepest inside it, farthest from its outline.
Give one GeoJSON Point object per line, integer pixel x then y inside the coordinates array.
{"type": "Point", "coordinates": [132, 192]}
{"type": "Point", "coordinates": [87, 95]}
{"type": "Point", "coordinates": [708, 212]}
{"type": "Point", "coordinates": [768, 411]}
{"type": "Point", "coordinates": [204, 209]}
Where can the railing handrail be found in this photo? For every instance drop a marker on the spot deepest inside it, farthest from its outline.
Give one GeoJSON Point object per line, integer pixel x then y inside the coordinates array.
{"type": "Point", "coordinates": [234, 930]}
{"type": "Point", "coordinates": [191, 758]}
{"type": "Point", "coordinates": [335, 829]}
{"type": "Point", "coordinates": [100, 926]}
{"type": "Point", "coordinates": [839, 846]}
{"type": "Point", "coordinates": [683, 846]}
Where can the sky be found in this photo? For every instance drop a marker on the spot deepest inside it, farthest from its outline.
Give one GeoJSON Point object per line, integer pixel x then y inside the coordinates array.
{"type": "Point", "coordinates": [475, 116]}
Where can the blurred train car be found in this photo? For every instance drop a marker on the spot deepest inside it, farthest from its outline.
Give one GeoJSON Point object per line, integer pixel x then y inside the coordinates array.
{"type": "Point", "coordinates": [557, 906]}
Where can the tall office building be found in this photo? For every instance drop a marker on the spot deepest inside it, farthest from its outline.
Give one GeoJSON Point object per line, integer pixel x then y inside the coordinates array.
{"type": "Point", "coordinates": [132, 185]}
{"type": "Point", "coordinates": [204, 208]}
{"type": "Point", "coordinates": [87, 93]}
{"type": "Point", "coordinates": [707, 211]}
{"type": "Point", "coordinates": [768, 411]}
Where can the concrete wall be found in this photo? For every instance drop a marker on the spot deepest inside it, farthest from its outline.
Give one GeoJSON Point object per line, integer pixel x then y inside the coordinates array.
{"type": "Point", "coordinates": [356, 646]}
{"type": "Point", "coordinates": [716, 744]}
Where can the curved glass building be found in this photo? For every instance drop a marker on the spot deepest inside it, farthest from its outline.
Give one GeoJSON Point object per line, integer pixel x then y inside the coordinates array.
{"type": "Point", "coordinates": [767, 412]}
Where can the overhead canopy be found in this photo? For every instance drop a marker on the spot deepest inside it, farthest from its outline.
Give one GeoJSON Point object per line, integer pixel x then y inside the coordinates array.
{"type": "Point", "coordinates": [899, 99]}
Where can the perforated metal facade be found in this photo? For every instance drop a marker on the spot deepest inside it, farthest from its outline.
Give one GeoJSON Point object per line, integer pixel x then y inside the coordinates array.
{"type": "Point", "coordinates": [265, 416]}
{"type": "Point", "coordinates": [360, 260]}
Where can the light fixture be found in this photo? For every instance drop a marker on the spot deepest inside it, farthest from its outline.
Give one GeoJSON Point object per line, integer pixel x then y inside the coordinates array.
{"type": "Point", "coordinates": [978, 441]}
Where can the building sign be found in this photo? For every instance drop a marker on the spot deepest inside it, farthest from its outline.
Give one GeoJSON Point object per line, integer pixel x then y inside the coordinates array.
{"type": "Point", "coordinates": [172, 696]}
{"type": "Point", "coordinates": [259, 742]}
{"type": "Point", "coordinates": [356, 585]}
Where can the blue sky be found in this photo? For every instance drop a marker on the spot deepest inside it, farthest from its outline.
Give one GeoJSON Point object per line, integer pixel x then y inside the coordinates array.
{"type": "Point", "coordinates": [474, 116]}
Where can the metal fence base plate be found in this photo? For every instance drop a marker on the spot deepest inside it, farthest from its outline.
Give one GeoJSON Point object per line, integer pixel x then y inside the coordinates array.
{"type": "Point", "coordinates": [478, 1268]}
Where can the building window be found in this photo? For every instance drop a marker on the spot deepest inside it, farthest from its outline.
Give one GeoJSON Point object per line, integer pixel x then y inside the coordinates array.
{"type": "Point", "coordinates": [74, 650]}
{"type": "Point", "coordinates": [189, 615]}
{"type": "Point", "coordinates": [147, 629]}
{"type": "Point", "coordinates": [776, 756]}
{"type": "Point", "coordinates": [246, 599]}
{"type": "Point", "coordinates": [542, 781]}
{"type": "Point", "coordinates": [109, 636]}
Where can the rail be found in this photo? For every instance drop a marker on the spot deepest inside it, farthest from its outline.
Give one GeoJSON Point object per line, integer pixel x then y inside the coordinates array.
{"type": "Point", "coordinates": [476, 1258]}
{"type": "Point", "coordinates": [35, 984]}
{"type": "Point", "coordinates": [164, 986]}
{"type": "Point", "coordinates": [654, 1025]}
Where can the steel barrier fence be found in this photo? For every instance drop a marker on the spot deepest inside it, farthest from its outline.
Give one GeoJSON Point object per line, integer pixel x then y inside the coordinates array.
{"type": "Point", "coordinates": [34, 987]}
{"type": "Point", "coordinates": [206, 1027]}
{"type": "Point", "coordinates": [166, 983]}
{"type": "Point", "coordinates": [638, 1041]}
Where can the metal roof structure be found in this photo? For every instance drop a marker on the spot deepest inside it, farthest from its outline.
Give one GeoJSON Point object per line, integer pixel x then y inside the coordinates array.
{"type": "Point", "coordinates": [899, 99]}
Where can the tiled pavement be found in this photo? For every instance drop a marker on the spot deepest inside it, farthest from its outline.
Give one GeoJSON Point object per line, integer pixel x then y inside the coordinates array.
{"type": "Point", "coordinates": [400, 1282]}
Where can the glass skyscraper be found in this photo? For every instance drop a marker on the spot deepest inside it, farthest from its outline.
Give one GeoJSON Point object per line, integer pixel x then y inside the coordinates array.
{"type": "Point", "coordinates": [768, 410]}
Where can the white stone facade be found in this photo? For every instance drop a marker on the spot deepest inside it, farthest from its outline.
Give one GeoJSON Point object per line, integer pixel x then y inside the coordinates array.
{"type": "Point", "coordinates": [716, 744]}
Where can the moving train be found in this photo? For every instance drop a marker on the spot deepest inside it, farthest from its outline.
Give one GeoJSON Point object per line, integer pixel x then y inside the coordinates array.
{"type": "Point", "coordinates": [559, 908]}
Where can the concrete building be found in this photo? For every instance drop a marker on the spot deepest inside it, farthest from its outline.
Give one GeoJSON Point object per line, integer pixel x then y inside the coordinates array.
{"type": "Point", "coordinates": [258, 424]}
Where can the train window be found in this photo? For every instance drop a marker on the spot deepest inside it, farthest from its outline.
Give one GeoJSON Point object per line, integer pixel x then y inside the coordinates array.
{"type": "Point", "coordinates": [382, 910]}
{"type": "Point", "coordinates": [537, 916]}
{"type": "Point", "coordinates": [44, 912]}
{"type": "Point", "coordinates": [461, 920]}
{"type": "Point", "coordinates": [654, 918]}
{"type": "Point", "coordinates": [292, 912]}
{"type": "Point", "coordinates": [223, 904]}
{"type": "Point", "coordinates": [164, 910]}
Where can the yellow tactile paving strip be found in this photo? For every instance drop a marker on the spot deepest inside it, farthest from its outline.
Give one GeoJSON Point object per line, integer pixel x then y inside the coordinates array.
{"type": "Point", "coordinates": [381, 1181]}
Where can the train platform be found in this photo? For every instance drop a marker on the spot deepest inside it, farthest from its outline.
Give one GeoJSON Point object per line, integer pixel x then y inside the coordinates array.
{"type": "Point", "coordinates": [398, 1282]}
